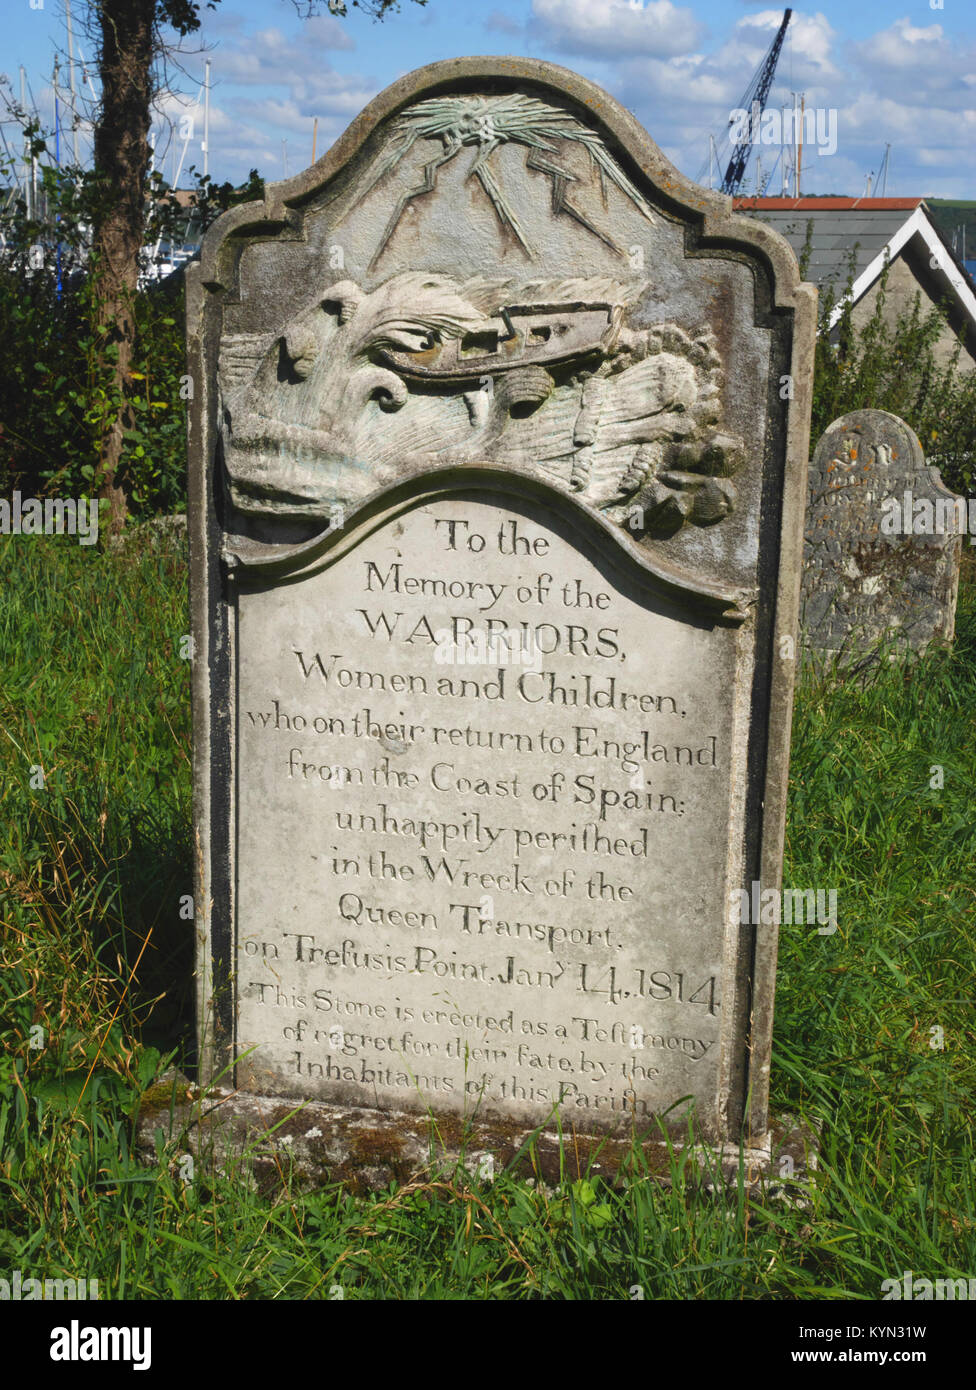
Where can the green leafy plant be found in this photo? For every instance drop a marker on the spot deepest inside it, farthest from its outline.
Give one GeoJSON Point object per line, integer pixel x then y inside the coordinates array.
{"type": "Point", "coordinates": [895, 363]}
{"type": "Point", "coordinates": [58, 393]}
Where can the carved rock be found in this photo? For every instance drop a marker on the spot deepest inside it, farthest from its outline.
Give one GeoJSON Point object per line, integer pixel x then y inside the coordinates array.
{"type": "Point", "coordinates": [545, 376]}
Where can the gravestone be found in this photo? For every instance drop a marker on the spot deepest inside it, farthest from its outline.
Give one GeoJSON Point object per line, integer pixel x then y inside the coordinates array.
{"type": "Point", "coordinates": [883, 543]}
{"type": "Point", "coordinates": [497, 457]}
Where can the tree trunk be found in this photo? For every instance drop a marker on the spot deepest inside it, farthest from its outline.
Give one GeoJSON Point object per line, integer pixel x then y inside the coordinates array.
{"type": "Point", "coordinates": [122, 162]}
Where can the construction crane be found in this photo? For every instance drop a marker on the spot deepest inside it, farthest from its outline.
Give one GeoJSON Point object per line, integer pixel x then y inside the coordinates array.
{"type": "Point", "coordinates": [754, 102]}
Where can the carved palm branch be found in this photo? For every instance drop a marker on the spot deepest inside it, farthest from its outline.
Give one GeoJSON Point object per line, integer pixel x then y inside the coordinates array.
{"type": "Point", "coordinates": [490, 122]}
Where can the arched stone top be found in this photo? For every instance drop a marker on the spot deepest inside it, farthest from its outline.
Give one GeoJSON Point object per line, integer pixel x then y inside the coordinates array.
{"type": "Point", "coordinates": [284, 200]}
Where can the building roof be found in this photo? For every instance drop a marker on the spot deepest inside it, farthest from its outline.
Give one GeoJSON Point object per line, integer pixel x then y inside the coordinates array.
{"type": "Point", "coordinates": [841, 228]}
{"type": "Point", "coordinates": [859, 234]}
{"type": "Point", "coordinates": [185, 197]}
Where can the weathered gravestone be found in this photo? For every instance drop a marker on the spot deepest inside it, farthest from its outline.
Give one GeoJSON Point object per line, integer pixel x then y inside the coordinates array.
{"type": "Point", "coordinates": [497, 487]}
{"type": "Point", "coordinates": [883, 542]}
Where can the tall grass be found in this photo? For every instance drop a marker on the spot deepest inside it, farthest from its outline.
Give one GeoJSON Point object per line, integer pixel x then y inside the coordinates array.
{"type": "Point", "coordinates": [95, 1000]}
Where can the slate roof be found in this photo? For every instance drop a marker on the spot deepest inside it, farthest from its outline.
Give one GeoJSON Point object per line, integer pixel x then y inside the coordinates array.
{"type": "Point", "coordinates": [865, 225]}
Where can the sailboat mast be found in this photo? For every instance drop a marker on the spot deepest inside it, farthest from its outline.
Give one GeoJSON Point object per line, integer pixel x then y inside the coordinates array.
{"type": "Point", "coordinates": [71, 83]}
{"type": "Point", "coordinates": [206, 118]}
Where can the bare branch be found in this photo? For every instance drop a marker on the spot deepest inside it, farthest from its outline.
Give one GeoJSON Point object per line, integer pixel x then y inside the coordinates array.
{"type": "Point", "coordinates": [376, 9]}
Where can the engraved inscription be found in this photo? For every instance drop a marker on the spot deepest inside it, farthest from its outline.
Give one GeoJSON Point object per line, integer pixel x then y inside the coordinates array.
{"type": "Point", "coordinates": [473, 760]}
{"type": "Point", "coordinates": [866, 584]}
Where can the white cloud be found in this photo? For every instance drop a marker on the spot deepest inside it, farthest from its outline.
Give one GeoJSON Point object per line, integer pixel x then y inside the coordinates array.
{"type": "Point", "coordinates": [806, 50]}
{"type": "Point", "coordinates": [905, 46]}
{"type": "Point", "coordinates": [919, 66]}
{"type": "Point", "coordinates": [616, 28]}
{"type": "Point", "coordinates": [913, 83]}
{"type": "Point", "coordinates": [247, 127]}
{"type": "Point", "coordinates": [874, 118]}
{"type": "Point", "coordinates": [907, 84]}
{"type": "Point", "coordinates": [268, 87]}
{"type": "Point", "coordinates": [692, 95]}
{"type": "Point", "coordinates": [270, 57]}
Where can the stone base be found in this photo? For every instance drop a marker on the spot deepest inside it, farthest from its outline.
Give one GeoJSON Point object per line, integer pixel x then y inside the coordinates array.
{"type": "Point", "coordinates": [268, 1137]}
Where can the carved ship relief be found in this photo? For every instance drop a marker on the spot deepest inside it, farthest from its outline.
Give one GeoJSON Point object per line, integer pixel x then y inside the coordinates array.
{"type": "Point", "coordinates": [423, 369]}
{"type": "Point", "coordinates": [549, 376]}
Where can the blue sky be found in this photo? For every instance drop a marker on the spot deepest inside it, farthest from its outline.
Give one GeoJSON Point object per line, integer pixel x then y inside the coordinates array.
{"type": "Point", "coordinates": [902, 71]}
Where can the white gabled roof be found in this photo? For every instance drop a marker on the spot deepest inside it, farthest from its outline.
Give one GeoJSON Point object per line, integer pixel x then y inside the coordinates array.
{"type": "Point", "coordinates": [940, 261]}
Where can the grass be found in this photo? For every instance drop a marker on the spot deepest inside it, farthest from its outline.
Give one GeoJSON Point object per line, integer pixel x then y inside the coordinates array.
{"type": "Point", "coordinates": [94, 995]}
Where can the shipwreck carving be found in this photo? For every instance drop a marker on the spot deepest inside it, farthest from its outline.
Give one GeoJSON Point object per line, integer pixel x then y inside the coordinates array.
{"type": "Point", "coordinates": [544, 375]}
